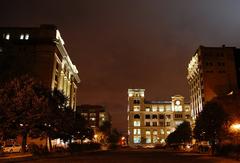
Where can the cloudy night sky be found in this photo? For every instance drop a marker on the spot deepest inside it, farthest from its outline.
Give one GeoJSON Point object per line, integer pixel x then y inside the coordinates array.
{"type": "Point", "coordinates": [121, 44]}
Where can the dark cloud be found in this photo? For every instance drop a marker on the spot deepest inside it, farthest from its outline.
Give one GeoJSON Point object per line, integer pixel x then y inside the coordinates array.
{"type": "Point", "coordinates": [124, 44]}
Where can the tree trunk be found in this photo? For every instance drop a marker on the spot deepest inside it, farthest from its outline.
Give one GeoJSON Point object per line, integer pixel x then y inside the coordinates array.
{"type": "Point", "coordinates": [50, 143]}
{"type": "Point", "coordinates": [24, 142]}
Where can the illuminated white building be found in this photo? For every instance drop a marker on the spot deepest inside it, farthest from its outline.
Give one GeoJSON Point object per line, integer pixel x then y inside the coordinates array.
{"type": "Point", "coordinates": [40, 53]}
{"type": "Point", "coordinates": [150, 122]}
{"type": "Point", "coordinates": [212, 72]}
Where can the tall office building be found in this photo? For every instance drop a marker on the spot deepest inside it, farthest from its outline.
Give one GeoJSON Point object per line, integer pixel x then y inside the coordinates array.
{"type": "Point", "coordinates": [212, 72]}
{"type": "Point", "coordinates": [150, 122]}
{"type": "Point", "coordinates": [40, 53]}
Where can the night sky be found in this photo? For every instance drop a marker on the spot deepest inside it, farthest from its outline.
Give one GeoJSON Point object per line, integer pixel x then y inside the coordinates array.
{"type": "Point", "coordinates": [121, 44]}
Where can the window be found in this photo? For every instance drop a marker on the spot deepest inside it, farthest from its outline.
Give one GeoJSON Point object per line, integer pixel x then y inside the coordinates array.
{"type": "Point", "coordinates": [162, 131]}
{"type": "Point", "coordinates": [161, 124]}
{"type": "Point", "coordinates": [137, 131]}
{"type": "Point", "coordinates": [154, 123]}
{"type": "Point", "coordinates": [154, 108]}
{"type": "Point", "coordinates": [136, 123]}
{"type": "Point", "coordinates": [92, 114]}
{"type": "Point", "coordinates": [168, 116]}
{"type": "Point", "coordinates": [147, 116]}
{"type": "Point", "coordinates": [178, 115]}
{"type": "Point", "coordinates": [168, 132]}
{"type": "Point", "coordinates": [154, 116]}
{"type": "Point", "coordinates": [178, 122]}
{"type": "Point", "coordinates": [188, 116]}
{"type": "Point", "coordinates": [92, 119]}
{"type": "Point", "coordinates": [26, 36]}
{"type": "Point", "coordinates": [155, 132]}
{"type": "Point", "coordinates": [178, 108]}
{"type": "Point", "coordinates": [147, 124]}
{"type": "Point", "coordinates": [168, 123]}
{"type": "Point", "coordinates": [136, 116]}
{"type": "Point", "coordinates": [161, 116]}
{"type": "Point", "coordinates": [147, 109]}
{"type": "Point", "coordinates": [21, 36]}
{"type": "Point", "coordinates": [136, 108]}
{"type": "Point", "coordinates": [7, 36]}
{"type": "Point", "coordinates": [155, 137]}
{"type": "Point", "coordinates": [148, 136]}
{"type": "Point", "coordinates": [136, 101]}
{"type": "Point", "coordinates": [161, 108]}
{"type": "Point", "coordinates": [168, 108]}
{"type": "Point", "coordinates": [136, 139]}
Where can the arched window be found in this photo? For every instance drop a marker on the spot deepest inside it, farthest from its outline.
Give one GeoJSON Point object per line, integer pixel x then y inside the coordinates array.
{"type": "Point", "coordinates": [136, 116]}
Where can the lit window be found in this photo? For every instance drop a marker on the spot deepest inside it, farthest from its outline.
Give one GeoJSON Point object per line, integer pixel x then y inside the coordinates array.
{"type": "Point", "coordinates": [162, 131]}
{"type": "Point", "coordinates": [154, 108]}
{"type": "Point", "coordinates": [178, 122]}
{"type": "Point", "coordinates": [162, 141]}
{"type": "Point", "coordinates": [137, 131]}
{"type": "Point", "coordinates": [148, 132]}
{"type": "Point", "coordinates": [168, 108]}
{"type": "Point", "coordinates": [21, 36]}
{"type": "Point", "coordinates": [136, 108]}
{"type": "Point", "coordinates": [148, 136]}
{"type": "Point", "coordinates": [155, 132]}
{"type": "Point", "coordinates": [136, 139]}
{"type": "Point", "coordinates": [161, 108]}
{"type": "Point", "coordinates": [7, 37]}
{"type": "Point", "coordinates": [178, 108]}
{"type": "Point", "coordinates": [136, 123]}
{"type": "Point", "coordinates": [147, 109]}
{"type": "Point", "coordinates": [168, 132]}
{"type": "Point", "coordinates": [92, 119]}
{"type": "Point", "coordinates": [26, 36]}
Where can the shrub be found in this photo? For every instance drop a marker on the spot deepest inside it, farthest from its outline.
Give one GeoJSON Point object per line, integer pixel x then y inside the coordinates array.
{"type": "Point", "coordinates": [75, 147]}
{"type": "Point", "coordinates": [37, 150]}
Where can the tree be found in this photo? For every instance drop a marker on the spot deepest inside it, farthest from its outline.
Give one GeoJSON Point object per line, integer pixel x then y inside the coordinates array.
{"type": "Point", "coordinates": [21, 107]}
{"type": "Point", "coordinates": [210, 123]}
{"type": "Point", "coordinates": [182, 134]}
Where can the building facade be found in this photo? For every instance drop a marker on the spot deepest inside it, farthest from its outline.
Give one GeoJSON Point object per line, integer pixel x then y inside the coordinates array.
{"type": "Point", "coordinates": [40, 53]}
{"type": "Point", "coordinates": [212, 72]}
{"type": "Point", "coordinates": [95, 115]}
{"type": "Point", "coordinates": [150, 122]}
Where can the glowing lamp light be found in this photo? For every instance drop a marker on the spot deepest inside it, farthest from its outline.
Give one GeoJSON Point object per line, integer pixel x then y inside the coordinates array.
{"type": "Point", "coordinates": [235, 126]}
{"type": "Point", "coordinates": [123, 138]}
{"type": "Point", "coordinates": [95, 136]}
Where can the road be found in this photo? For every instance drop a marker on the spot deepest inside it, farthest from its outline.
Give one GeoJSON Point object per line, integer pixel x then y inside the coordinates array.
{"type": "Point", "coordinates": [135, 156]}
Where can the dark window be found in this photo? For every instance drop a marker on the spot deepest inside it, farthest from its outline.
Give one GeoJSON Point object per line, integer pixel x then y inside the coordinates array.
{"type": "Point", "coordinates": [161, 124]}
{"type": "Point", "coordinates": [178, 115]}
{"type": "Point", "coordinates": [147, 116]}
{"type": "Point", "coordinates": [147, 123]}
{"type": "Point", "coordinates": [136, 101]}
{"type": "Point", "coordinates": [161, 116]}
{"type": "Point", "coordinates": [136, 116]}
{"type": "Point", "coordinates": [168, 124]}
{"type": "Point", "coordinates": [168, 116]}
{"type": "Point", "coordinates": [154, 116]}
{"type": "Point", "coordinates": [154, 123]}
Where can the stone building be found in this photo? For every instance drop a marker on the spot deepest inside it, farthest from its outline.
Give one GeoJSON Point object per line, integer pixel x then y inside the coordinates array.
{"type": "Point", "coordinates": [40, 53]}
{"type": "Point", "coordinates": [150, 122]}
{"type": "Point", "coordinates": [212, 72]}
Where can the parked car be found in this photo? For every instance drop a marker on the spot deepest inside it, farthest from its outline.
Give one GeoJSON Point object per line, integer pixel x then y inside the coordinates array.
{"type": "Point", "coordinates": [10, 148]}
